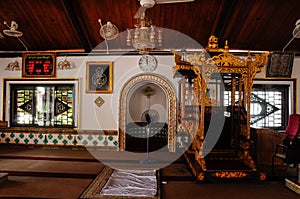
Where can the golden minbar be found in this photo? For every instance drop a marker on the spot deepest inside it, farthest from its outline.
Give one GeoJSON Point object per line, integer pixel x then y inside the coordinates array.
{"type": "Point", "coordinates": [202, 95]}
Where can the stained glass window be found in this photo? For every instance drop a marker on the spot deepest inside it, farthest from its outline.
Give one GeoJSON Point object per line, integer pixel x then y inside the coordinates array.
{"type": "Point", "coordinates": [42, 105]}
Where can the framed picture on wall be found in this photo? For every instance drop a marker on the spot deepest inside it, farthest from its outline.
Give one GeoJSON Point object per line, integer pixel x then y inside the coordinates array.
{"type": "Point", "coordinates": [99, 77]}
{"type": "Point", "coordinates": [280, 64]}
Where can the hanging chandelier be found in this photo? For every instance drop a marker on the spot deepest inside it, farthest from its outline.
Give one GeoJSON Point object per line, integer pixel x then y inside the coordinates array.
{"type": "Point", "coordinates": [146, 37]}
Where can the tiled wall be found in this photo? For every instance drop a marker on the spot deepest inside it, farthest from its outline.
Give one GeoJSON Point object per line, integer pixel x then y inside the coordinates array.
{"type": "Point", "coordinates": [94, 139]}
{"type": "Point", "coordinates": [86, 138]}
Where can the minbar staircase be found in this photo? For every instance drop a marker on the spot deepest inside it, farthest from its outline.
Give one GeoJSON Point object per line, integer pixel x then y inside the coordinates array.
{"type": "Point", "coordinates": [222, 165]}
{"type": "Point", "coordinates": [227, 165]}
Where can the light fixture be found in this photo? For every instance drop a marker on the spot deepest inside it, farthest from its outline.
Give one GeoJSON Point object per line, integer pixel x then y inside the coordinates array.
{"type": "Point", "coordinates": [108, 31]}
{"type": "Point", "coordinates": [296, 33]}
{"type": "Point", "coordinates": [145, 37]}
{"type": "Point", "coordinates": [12, 31]}
{"type": "Point", "coordinates": [13, 66]}
{"type": "Point", "coordinates": [64, 64]}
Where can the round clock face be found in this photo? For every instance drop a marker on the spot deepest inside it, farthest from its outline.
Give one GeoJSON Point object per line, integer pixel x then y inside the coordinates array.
{"type": "Point", "coordinates": [147, 63]}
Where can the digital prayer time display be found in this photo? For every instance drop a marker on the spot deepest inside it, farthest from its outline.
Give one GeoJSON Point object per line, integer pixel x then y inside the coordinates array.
{"type": "Point", "coordinates": [39, 65]}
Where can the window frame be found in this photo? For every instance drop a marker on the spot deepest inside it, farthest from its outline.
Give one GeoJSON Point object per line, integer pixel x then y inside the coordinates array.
{"type": "Point", "coordinates": [7, 98]}
{"type": "Point", "coordinates": [291, 82]}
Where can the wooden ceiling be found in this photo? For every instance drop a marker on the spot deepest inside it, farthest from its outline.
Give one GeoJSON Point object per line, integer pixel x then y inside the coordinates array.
{"type": "Point", "coordinates": [72, 25]}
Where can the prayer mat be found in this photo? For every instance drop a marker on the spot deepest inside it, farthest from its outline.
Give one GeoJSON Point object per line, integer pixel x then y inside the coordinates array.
{"type": "Point", "coordinates": [124, 184]}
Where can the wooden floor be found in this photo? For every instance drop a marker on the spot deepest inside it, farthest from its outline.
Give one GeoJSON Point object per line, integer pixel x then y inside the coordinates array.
{"type": "Point", "coordinates": [66, 173]}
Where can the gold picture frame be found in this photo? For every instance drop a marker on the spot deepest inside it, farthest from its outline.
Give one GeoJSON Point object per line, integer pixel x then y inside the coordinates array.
{"type": "Point", "coordinates": [99, 77]}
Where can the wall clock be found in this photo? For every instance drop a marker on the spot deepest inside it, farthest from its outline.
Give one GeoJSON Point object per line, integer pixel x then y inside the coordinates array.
{"type": "Point", "coordinates": [39, 65]}
{"type": "Point", "coordinates": [147, 63]}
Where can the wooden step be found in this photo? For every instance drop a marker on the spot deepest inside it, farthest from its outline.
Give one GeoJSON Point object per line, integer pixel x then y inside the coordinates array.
{"type": "Point", "coordinates": [3, 177]}
{"type": "Point", "coordinates": [222, 166]}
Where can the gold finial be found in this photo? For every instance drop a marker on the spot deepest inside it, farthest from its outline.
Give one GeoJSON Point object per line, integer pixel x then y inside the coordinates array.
{"type": "Point", "coordinates": [226, 47]}
{"type": "Point", "coordinates": [212, 44]}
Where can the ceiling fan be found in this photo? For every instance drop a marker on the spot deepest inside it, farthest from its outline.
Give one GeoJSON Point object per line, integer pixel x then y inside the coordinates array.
{"type": "Point", "coordinates": [145, 4]}
{"type": "Point", "coordinates": [12, 31]}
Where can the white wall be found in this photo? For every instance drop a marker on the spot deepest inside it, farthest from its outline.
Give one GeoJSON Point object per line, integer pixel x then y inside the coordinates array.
{"type": "Point", "coordinates": [139, 103]}
{"type": "Point", "coordinates": [106, 117]}
{"type": "Point", "coordinates": [90, 115]}
{"type": "Point", "coordinates": [295, 74]}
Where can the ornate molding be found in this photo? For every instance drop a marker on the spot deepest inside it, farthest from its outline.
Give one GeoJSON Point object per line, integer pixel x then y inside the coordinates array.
{"type": "Point", "coordinates": [230, 174]}
{"type": "Point", "coordinates": [201, 67]}
{"type": "Point", "coordinates": [172, 106]}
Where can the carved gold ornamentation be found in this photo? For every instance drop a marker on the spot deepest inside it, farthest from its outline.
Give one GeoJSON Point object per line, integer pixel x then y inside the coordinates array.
{"type": "Point", "coordinates": [245, 156]}
{"type": "Point", "coordinates": [243, 130]}
{"type": "Point", "coordinates": [230, 174]}
{"type": "Point", "coordinates": [213, 44]}
{"type": "Point", "coordinates": [182, 67]}
{"type": "Point", "coordinates": [227, 59]}
{"type": "Point", "coordinates": [200, 176]}
{"type": "Point", "coordinates": [262, 176]}
{"type": "Point", "coordinates": [202, 163]}
{"type": "Point", "coordinates": [203, 67]}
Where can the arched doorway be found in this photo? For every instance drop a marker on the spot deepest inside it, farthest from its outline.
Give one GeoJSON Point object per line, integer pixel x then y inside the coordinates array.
{"type": "Point", "coordinates": [160, 84]}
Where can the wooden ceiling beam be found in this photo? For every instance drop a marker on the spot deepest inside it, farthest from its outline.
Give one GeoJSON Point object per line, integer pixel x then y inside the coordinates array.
{"type": "Point", "coordinates": [83, 39]}
{"type": "Point", "coordinates": [225, 11]}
